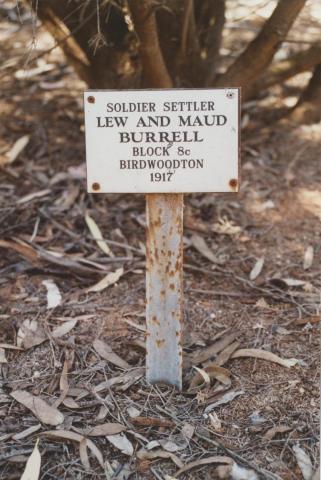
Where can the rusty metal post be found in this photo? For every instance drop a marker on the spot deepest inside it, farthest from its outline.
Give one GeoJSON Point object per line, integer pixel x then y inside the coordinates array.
{"type": "Point", "coordinates": [164, 289]}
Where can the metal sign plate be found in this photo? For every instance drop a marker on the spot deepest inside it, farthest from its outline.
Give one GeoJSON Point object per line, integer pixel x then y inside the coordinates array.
{"type": "Point", "coordinates": [162, 141]}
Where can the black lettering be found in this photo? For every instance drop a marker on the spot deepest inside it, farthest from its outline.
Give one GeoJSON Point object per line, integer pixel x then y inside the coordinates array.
{"type": "Point", "coordinates": [120, 121]}
{"type": "Point", "coordinates": [124, 137]}
{"type": "Point", "coordinates": [99, 125]}
{"type": "Point", "coordinates": [224, 120]}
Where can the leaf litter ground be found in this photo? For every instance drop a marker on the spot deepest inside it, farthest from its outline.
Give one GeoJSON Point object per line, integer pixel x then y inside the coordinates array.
{"type": "Point", "coordinates": [72, 292]}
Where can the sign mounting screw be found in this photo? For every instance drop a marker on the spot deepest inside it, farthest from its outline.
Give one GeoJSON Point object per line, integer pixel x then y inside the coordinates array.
{"type": "Point", "coordinates": [91, 99]}
{"type": "Point", "coordinates": [95, 186]}
{"type": "Point", "coordinates": [230, 95]}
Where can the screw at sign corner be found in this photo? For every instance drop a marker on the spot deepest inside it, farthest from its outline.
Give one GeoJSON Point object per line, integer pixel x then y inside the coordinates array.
{"type": "Point", "coordinates": [233, 183]}
{"type": "Point", "coordinates": [95, 186]}
{"type": "Point", "coordinates": [230, 94]}
{"type": "Point", "coordinates": [91, 99]}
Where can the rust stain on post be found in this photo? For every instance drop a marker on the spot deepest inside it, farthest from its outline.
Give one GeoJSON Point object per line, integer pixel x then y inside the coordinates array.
{"type": "Point", "coordinates": [164, 288]}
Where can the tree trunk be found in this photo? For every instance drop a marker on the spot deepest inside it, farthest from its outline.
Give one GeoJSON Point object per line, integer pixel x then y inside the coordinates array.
{"type": "Point", "coordinates": [155, 73]}
{"type": "Point", "coordinates": [179, 42]}
{"type": "Point", "coordinates": [211, 21]}
{"type": "Point", "coordinates": [190, 33]}
{"type": "Point", "coordinates": [250, 65]}
{"type": "Point", "coordinates": [308, 108]}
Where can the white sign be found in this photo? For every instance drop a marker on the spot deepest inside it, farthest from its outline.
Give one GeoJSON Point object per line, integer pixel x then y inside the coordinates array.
{"type": "Point", "coordinates": [162, 141]}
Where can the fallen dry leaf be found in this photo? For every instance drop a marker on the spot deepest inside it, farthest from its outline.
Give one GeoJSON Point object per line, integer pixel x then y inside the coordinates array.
{"type": "Point", "coordinates": [125, 380]}
{"type": "Point", "coordinates": [25, 433]}
{"type": "Point", "coordinates": [9, 346]}
{"type": "Point", "coordinates": [102, 414]}
{"type": "Point", "coordinates": [201, 246]}
{"type": "Point", "coordinates": [68, 198]}
{"type": "Point", "coordinates": [200, 377]}
{"type": "Point", "coordinates": [228, 397]}
{"type": "Point", "coordinates": [203, 354]}
{"type": "Point", "coordinates": [293, 282]}
{"type": "Point", "coordinates": [151, 421]}
{"type": "Point", "coordinates": [257, 269]}
{"type": "Point", "coordinates": [31, 72]}
{"type": "Point", "coordinates": [106, 429]}
{"type": "Point", "coordinates": [33, 195]}
{"type": "Point", "coordinates": [95, 451]}
{"type": "Point", "coordinates": [174, 444]}
{"type": "Point", "coordinates": [211, 371]}
{"type": "Point", "coordinates": [83, 454]}
{"type": "Point", "coordinates": [107, 281]}
{"type": "Point", "coordinates": [308, 258]}
{"type": "Point", "coordinates": [53, 294]}
{"type": "Point", "coordinates": [97, 235]}
{"type": "Point", "coordinates": [30, 334]}
{"type": "Point", "coordinates": [121, 442]}
{"type": "Point", "coordinates": [224, 355]}
{"type": "Point", "coordinates": [64, 328]}
{"type": "Point", "coordinates": [45, 413]}
{"type": "Point", "coordinates": [219, 373]}
{"type": "Point", "coordinates": [226, 227]}
{"type": "Point", "coordinates": [188, 431]}
{"type": "Point", "coordinates": [304, 462]}
{"type": "Point", "coordinates": [32, 470]}
{"type": "Point", "coordinates": [15, 150]}
{"type": "Point", "coordinates": [70, 403]}
{"type": "Point", "coordinates": [241, 473]}
{"type": "Point", "coordinates": [133, 412]}
{"type": "Point", "coordinates": [63, 383]}
{"type": "Point", "coordinates": [272, 432]}
{"type": "Point", "coordinates": [203, 461]}
{"type": "Point", "coordinates": [3, 356]}
{"type": "Point", "coordinates": [107, 353]}
{"type": "Point", "coordinates": [75, 437]}
{"type": "Point", "coordinates": [23, 249]}
{"type": "Point", "coordinates": [215, 421]}
{"type": "Point", "coordinates": [265, 355]}
{"type": "Point", "coordinates": [152, 454]}
{"type": "Point", "coordinates": [235, 472]}
{"type": "Point", "coordinates": [152, 444]}
{"type": "Point", "coordinates": [262, 303]}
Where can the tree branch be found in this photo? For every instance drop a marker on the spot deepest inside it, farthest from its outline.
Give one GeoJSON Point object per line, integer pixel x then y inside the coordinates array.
{"type": "Point", "coordinates": [283, 70]}
{"type": "Point", "coordinates": [155, 73]}
{"type": "Point", "coordinates": [66, 41]}
{"type": "Point", "coordinates": [249, 66]}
